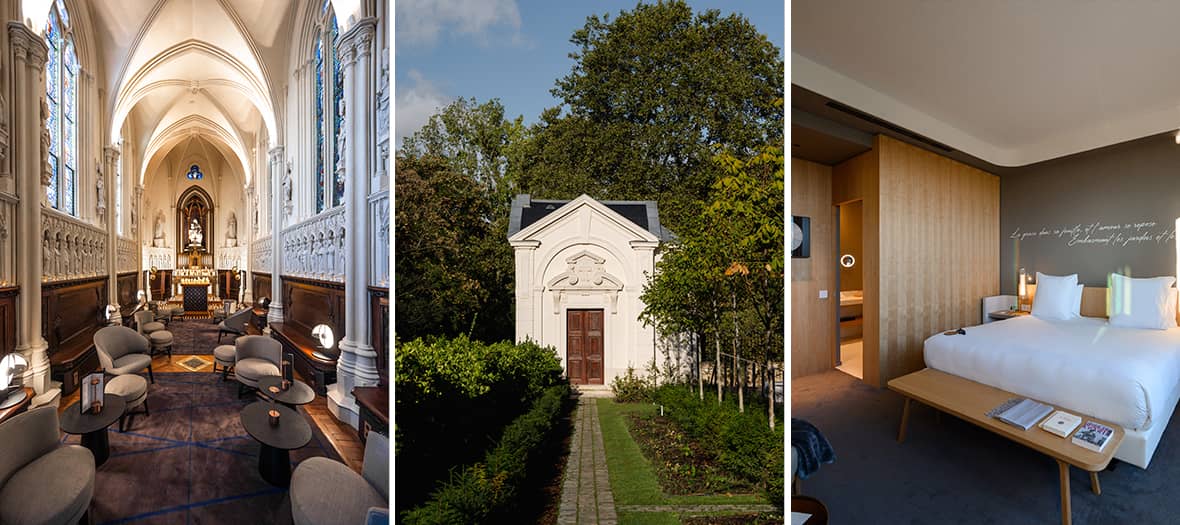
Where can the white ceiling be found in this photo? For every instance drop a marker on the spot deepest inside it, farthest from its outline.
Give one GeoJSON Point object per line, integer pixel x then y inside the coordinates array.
{"type": "Point", "coordinates": [183, 68]}
{"type": "Point", "coordinates": [1011, 82]}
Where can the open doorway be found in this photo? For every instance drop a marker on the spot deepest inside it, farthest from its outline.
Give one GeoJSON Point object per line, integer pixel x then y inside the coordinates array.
{"type": "Point", "coordinates": [850, 351]}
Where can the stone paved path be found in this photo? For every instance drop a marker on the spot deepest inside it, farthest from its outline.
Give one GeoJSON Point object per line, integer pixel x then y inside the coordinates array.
{"type": "Point", "coordinates": [585, 492]}
{"type": "Point", "coordinates": [704, 508]}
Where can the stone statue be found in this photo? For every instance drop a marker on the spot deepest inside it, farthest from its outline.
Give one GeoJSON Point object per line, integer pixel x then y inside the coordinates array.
{"type": "Point", "coordinates": [194, 233]}
{"type": "Point", "coordinates": [101, 206]}
{"type": "Point", "coordinates": [46, 170]}
{"type": "Point", "coordinates": [158, 230]}
{"type": "Point", "coordinates": [231, 230]}
{"type": "Point", "coordinates": [340, 141]}
{"type": "Point", "coordinates": [287, 186]}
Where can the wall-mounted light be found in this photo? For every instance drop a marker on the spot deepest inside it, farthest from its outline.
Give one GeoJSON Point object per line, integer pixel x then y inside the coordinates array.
{"type": "Point", "coordinates": [323, 335]}
{"type": "Point", "coordinates": [1022, 290]}
{"type": "Point", "coordinates": [12, 367]}
{"type": "Point", "coordinates": [847, 260]}
{"type": "Point", "coordinates": [1178, 137]}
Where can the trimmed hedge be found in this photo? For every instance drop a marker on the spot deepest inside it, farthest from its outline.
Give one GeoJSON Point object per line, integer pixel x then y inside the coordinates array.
{"type": "Point", "coordinates": [455, 397]}
{"type": "Point", "coordinates": [488, 491]}
{"type": "Point", "coordinates": [742, 442]}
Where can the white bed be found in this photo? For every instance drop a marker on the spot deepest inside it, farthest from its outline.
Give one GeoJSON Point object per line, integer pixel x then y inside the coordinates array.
{"type": "Point", "coordinates": [1127, 376]}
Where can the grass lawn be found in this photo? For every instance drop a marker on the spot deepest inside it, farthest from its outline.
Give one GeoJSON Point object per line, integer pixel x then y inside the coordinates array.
{"type": "Point", "coordinates": [632, 478]}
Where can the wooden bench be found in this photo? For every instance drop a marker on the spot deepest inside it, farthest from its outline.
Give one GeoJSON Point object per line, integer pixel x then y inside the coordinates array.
{"type": "Point", "coordinates": [971, 401]}
{"type": "Point", "coordinates": [74, 359]}
{"type": "Point", "coordinates": [318, 373]}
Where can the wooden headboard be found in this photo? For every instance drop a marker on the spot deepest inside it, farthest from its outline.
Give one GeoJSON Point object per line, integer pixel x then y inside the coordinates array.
{"type": "Point", "coordinates": [1093, 301]}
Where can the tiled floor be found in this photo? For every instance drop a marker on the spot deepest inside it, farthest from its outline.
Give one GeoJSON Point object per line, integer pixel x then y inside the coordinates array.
{"type": "Point", "coordinates": [342, 437]}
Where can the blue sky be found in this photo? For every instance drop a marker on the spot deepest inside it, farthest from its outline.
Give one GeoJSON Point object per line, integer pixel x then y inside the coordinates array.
{"type": "Point", "coordinates": [506, 49]}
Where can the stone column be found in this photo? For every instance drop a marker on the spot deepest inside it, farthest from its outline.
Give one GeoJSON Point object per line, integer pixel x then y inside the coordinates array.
{"type": "Point", "coordinates": [357, 365]}
{"type": "Point", "coordinates": [276, 236]}
{"type": "Point", "coordinates": [30, 149]}
{"type": "Point", "coordinates": [136, 210]}
{"type": "Point", "coordinates": [109, 168]}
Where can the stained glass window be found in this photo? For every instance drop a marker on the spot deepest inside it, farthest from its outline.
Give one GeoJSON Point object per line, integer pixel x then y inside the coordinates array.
{"type": "Point", "coordinates": [329, 123]}
{"type": "Point", "coordinates": [319, 126]}
{"type": "Point", "coordinates": [337, 118]}
{"type": "Point", "coordinates": [61, 86]}
{"type": "Point", "coordinates": [194, 173]}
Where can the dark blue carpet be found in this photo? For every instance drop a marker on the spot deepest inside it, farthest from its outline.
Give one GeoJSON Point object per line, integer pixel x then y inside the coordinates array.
{"type": "Point", "coordinates": [950, 471]}
{"type": "Point", "coordinates": [190, 461]}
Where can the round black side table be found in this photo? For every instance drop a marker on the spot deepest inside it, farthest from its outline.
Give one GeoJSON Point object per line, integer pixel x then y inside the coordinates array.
{"type": "Point", "coordinates": [93, 427]}
{"type": "Point", "coordinates": [297, 394]}
{"type": "Point", "coordinates": [292, 432]}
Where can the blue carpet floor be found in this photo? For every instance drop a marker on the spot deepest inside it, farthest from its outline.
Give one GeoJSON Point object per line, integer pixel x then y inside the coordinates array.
{"type": "Point", "coordinates": [190, 461]}
{"type": "Point", "coordinates": [950, 471]}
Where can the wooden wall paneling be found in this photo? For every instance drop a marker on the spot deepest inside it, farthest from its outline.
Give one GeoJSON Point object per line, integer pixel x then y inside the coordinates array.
{"type": "Point", "coordinates": [8, 319]}
{"type": "Point", "coordinates": [939, 250]}
{"type": "Point", "coordinates": [230, 290]}
{"type": "Point", "coordinates": [853, 179]}
{"type": "Point", "coordinates": [126, 286]}
{"type": "Point", "coordinates": [379, 328]}
{"type": "Point", "coordinates": [71, 312]}
{"type": "Point", "coordinates": [260, 284]}
{"type": "Point", "coordinates": [813, 320]}
{"type": "Point", "coordinates": [309, 302]}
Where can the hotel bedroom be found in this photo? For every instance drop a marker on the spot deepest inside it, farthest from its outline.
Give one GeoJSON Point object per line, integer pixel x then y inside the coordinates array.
{"type": "Point", "coordinates": [985, 197]}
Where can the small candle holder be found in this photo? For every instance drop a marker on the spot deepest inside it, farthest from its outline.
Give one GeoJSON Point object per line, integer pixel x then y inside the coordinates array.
{"type": "Point", "coordinates": [273, 389]}
{"type": "Point", "coordinates": [96, 407]}
{"type": "Point", "coordinates": [273, 417]}
{"type": "Point", "coordinates": [286, 385]}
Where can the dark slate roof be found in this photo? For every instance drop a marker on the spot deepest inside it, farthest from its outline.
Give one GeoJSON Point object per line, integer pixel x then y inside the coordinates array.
{"type": "Point", "coordinates": [645, 214]}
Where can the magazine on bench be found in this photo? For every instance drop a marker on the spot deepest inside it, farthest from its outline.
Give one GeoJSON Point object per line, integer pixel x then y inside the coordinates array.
{"type": "Point", "coordinates": [1022, 413]}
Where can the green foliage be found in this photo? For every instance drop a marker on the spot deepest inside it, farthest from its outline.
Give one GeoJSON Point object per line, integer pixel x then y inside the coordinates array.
{"type": "Point", "coordinates": [651, 95]}
{"type": "Point", "coordinates": [455, 396]}
{"type": "Point", "coordinates": [631, 388]}
{"type": "Point", "coordinates": [742, 441]}
{"type": "Point", "coordinates": [488, 491]}
{"type": "Point", "coordinates": [453, 269]}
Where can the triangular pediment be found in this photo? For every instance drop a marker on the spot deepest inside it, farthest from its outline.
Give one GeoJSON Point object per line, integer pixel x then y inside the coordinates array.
{"type": "Point", "coordinates": [583, 202]}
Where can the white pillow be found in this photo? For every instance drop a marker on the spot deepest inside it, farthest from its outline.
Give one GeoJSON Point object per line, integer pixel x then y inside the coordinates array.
{"type": "Point", "coordinates": [1056, 297]}
{"type": "Point", "coordinates": [1076, 309]}
{"type": "Point", "coordinates": [1141, 303]}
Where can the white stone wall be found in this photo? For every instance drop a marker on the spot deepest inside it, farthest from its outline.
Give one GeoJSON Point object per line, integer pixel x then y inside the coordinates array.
{"type": "Point", "coordinates": [613, 257]}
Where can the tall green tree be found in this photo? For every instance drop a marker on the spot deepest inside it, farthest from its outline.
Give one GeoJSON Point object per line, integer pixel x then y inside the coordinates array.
{"type": "Point", "coordinates": [653, 94]}
{"type": "Point", "coordinates": [454, 190]}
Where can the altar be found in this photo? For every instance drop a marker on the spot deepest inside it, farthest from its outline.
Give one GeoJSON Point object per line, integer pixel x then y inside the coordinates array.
{"type": "Point", "coordinates": [196, 297]}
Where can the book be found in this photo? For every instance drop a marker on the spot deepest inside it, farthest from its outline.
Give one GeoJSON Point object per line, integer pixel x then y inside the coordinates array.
{"type": "Point", "coordinates": [1025, 414]}
{"type": "Point", "coordinates": [1061, 423]}
{"type": "Point", "coordinates": [1093, 436]}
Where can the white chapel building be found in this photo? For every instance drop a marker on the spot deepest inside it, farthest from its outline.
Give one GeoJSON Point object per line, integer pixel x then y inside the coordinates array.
{"type": "Point", "coordinates": [581, 266]}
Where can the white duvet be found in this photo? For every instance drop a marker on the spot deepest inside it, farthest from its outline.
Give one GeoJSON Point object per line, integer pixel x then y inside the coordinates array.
{"type": "Point", "coordinates": [1122, 375]}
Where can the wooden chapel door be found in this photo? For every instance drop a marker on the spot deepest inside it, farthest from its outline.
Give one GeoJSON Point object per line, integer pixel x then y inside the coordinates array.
{"type": "Point", "coordinates": [584, 349]}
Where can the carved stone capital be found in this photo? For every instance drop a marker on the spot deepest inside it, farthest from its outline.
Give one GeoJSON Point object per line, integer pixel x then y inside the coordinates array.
{"type": "Point", "coordinates": [357, 43]}
{"type": "Point", "coordinates": [29, 46]}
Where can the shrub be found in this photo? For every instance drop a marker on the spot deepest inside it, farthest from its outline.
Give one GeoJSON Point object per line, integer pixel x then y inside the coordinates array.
{"type": "Point", "coordinates": [742, 442]}
{"type": "Point", "coordinates": [630, 388]}
{"type": "Point", "coordinates": [488, 492]}
{"type": "Point", "coordinates": [455, 397]}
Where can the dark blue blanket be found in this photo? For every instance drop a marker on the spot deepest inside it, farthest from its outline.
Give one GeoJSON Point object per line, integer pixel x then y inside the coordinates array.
{"type": "Point", "coordinates": [813, 448]}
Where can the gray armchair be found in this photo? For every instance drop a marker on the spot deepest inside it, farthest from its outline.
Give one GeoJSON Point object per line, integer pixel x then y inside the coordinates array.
{"type": "Point", "coordinates": [146, 322]}
{"type": "Point", "coordinates": [122, 350]}
{"type": "Point", "coordinates": [41, 481]}
{"type": "Point", "coordinates": [234, 324]}
{"type": "Point", "coordinates": [255, 357]}
{"type": "Point", "coordinates": [326, 492]}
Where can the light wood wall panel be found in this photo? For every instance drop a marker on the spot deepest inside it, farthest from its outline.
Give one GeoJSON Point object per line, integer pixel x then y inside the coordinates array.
{"type": "Point", "coordinates": [813, 320]}
{"type": "Point", "coordinates": [858, 178]}
{"type": "Point", "coordinates": [939, 250]}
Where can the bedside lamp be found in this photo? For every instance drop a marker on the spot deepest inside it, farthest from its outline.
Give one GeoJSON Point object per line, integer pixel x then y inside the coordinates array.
{"type": "Point", "coordinates": [12, 367]}
{"type": "Point", "coordinates": [323, 335]}
{"type": "Point", "coordinates": [1022, 290]}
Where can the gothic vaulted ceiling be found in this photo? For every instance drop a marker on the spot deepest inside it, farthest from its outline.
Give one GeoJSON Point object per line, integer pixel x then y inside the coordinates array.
{"type": "Point", "coordinates": [181, 70]}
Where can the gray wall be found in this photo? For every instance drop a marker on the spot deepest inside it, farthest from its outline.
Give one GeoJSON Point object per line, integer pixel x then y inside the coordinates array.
{"type": "Point", "coordinates": [1110, 209]}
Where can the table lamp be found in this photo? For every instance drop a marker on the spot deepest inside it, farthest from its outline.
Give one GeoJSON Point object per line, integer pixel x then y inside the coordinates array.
{"type": "Point", "coordinates": [12, 367]}
{"type": "Point", "coordinates": [323, 335]}
{"type": "Point", "coordinates": [1022, 290]}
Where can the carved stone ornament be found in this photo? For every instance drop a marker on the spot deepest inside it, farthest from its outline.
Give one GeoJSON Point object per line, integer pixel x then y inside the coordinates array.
{"type": "Point", "coordinates": [585, 274]}
{"type": "Point", "coordinates": [46, 170]}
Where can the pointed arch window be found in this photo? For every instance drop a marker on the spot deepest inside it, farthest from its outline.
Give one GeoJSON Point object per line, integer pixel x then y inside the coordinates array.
{"type": "Point", "coordinates": [329, 118]}
{"type": "Point", "coordinates": [61, 86]}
